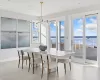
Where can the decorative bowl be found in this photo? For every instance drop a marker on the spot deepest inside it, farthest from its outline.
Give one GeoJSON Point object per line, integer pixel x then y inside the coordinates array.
{"type": "Point", "coordinates": [42, 47]}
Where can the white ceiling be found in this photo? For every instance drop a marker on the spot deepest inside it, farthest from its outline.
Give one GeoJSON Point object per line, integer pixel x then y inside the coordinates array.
{"type": "Point", "coordinates": [32, 7]}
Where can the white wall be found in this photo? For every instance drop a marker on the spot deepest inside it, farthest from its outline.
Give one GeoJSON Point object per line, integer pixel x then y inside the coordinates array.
{"type": "Point", "coordinates": [11, 54]}
{"type": "Point", "coordinates": [10, 14]}
{"type": "Point", "coordinates": [73, 11]}
{"type": "Point", "coordinates": [67, 37]}
{"type": "Point", "coordinates": [98, 41]}
{"type": "Point", "coordinates": [35, 45]}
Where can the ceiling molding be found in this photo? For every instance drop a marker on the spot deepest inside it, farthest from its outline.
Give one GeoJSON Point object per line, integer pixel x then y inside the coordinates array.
{"type": "Point", "coordinates": [11, 14]}
{"type": "Point", "coordinates": [74, 11]}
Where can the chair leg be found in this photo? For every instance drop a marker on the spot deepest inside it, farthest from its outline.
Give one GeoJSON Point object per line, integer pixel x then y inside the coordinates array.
{"type": "Point", "coordinates": [48, 72]}
{"type": "Point", "coordinates": [65, 67]}
{"type": "Point", "coordinates": [18, 63]}
{"type": "Point", "coordinates": [33, 67]}
{"type": "Point", "coordinates": [57, 69]}
{"type": "Point", "coordinates": [22, 63]}
{"type": "Point", "coordinates": [29, 66]}
{"type": "Point", "coordinates": [70, 65]}
{"type": "Point", "coordinates": [42, 71]}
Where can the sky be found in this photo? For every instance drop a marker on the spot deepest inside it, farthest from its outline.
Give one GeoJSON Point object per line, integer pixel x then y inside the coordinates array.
{"type": "Point", "coordinates": [35, 30]}
{"type": "Point", "coordinates": [53, 29]}
{"type": "Point", "coordinates": [90, 27]}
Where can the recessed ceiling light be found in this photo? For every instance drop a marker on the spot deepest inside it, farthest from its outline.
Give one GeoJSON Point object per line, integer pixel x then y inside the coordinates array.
{"type": "Point", "coordinates": [8, 0]}
{"type": "Point", "coordinates": [78, 3]}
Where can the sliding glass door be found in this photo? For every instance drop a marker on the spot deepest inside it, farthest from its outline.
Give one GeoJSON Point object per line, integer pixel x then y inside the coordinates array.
{"type": "Point", "coordinates": [57, 35]}
{"type": "Point", "coordinates": [53, 31]}
{"type": "Point", "coordinates": [84, 37]}
{"type": "Point", "coordinates": [91, 37]}
{"type": "Point", "coordinates": [78, 37]}
{"type": "Point", "coordinates": [61, 34]}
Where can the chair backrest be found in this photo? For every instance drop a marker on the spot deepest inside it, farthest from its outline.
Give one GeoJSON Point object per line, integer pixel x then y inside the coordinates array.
{"type": "Point", "coordinates": [66, 55]}
{"type": "Point", "coordinates": [34, 55]}
{"type": "Point", "coordinates": [37, 54]}
{"type": "Point", "coordinates": [30, 54]}
{"type": "Point", "coordinates": [46, 59]}
{"type": "Point", "coordinates": [20, 53]}
{"type": "Point", "coordinates": [53, 51]}
{"type": "Point", "coordinates": [44, 56]}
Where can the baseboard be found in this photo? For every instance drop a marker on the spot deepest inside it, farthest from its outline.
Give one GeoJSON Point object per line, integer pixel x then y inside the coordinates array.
{"type": "Point", "coordinates": [10, 59]}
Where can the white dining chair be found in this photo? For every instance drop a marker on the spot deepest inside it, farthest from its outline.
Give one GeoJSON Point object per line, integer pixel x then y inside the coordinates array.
{"type": "Point", "coordinates": [47, 62]}
{"type": "Point", "coordinates": [35, 58]}
{"type": "Point", "coordinates": [22, 57]}
{"type": "Point", "coordinates": [64, 59]}
{"type": "Point", "coordinates": [53, 51]}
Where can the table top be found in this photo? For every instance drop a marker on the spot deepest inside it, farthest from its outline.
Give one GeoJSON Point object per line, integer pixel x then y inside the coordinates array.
{"type": "Point", "coordinates": [52, 52]}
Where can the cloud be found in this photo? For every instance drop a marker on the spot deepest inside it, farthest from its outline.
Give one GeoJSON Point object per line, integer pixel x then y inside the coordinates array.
{"type": "Point", "coordinates": [91, 26]}
{"type": "Point", "coordinates": [80, 21]}
{"type": "Point", "coordinates": [93, 21]}
{"type": "Point", "coordinates": [53, 33]}
{"type": "Point", "coordinates": [79, 30]}
{"type": "Point", "coordinates": [62, 27]}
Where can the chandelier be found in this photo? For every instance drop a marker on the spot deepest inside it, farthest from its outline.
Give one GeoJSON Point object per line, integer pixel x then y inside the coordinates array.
{"type": "Point", "coordinates": [41, 15]}
{"type": "Point", "coordinates": [41, 18]}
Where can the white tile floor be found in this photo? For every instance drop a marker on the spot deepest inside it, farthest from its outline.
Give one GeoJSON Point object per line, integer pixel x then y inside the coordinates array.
{"type": "Point", "coordinates": [9, 71]}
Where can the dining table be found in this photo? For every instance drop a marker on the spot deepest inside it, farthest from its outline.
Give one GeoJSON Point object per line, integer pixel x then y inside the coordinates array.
{"type": "Point", "coordinates": [53, 52]}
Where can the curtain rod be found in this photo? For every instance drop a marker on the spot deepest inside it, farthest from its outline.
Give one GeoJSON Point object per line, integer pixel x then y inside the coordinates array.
{"type": "Point", "coordinates": [46, 21]}
{"type": "Point", "coordinates": [91, 14]}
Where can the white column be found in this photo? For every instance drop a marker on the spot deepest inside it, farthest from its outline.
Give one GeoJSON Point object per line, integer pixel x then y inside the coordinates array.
{"type": "Point", "coordinates": [84, 40]}
{"type": "Point", "coordinates": [48, 36]}
{"type": "Point", "coordinates": [58, 34]}
{"type": "Point", "coordinates": [98, 40]}
{"type": "Point", "coordinates": [67, 31]}
{"type": "Point", "coordinates": [0, 32]}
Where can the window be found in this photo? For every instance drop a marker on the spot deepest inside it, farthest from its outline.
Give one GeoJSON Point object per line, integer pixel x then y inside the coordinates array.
{"type": "Point", "coordinates": [8, 33]}
{"type": "Point", "coordinates": [91, 37]}
{"type": "Point", "coordinates": [23, 39]}
{"type": "Point", "coordinates": [23, 33]}
{"type": "Point", "coordinates": [11, 33]}
{"type": "Point", "coordinates": [53, 34]}
{"type": "Point", "coordinates": [62, 35]}
{"type": "Point", "coordinates": [43, 34]}
{"type": "Point", "coordinates": [78, 37]}
{"type": "Point", "coordinates": [8, 39]}
{"type": "Point", "coordinates": [35, 33]}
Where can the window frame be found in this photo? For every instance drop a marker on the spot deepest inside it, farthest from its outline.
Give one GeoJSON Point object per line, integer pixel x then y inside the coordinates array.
{"type": "Point", "coordinates": [9, 31]}
{"type": "Point", "coordinates": [16, 32]}
{"type": "Point", "coordinates": [32, 32]}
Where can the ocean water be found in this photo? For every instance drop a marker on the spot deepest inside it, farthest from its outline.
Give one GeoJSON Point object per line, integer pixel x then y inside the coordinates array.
{"type": "Point", "coordinates": [89, 41]}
